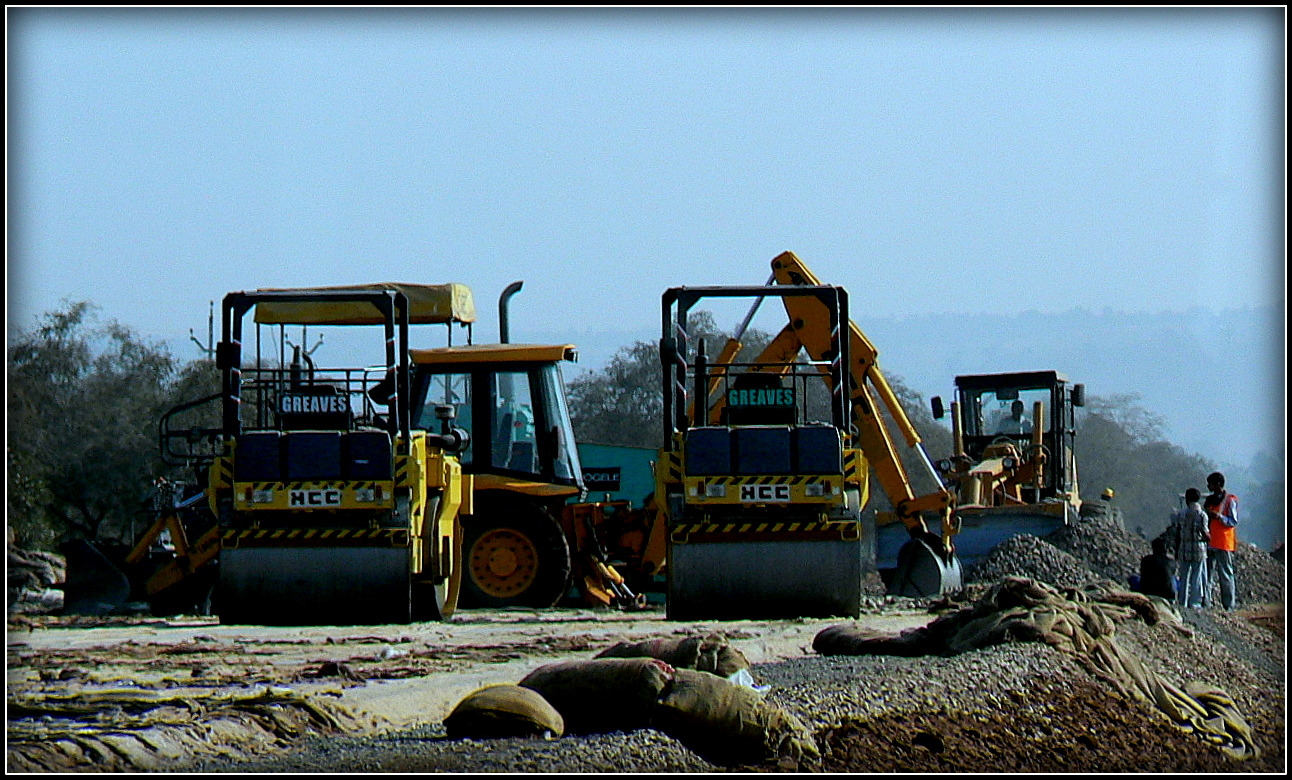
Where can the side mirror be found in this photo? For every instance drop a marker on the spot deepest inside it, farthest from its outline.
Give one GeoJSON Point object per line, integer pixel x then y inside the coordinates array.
{"type": "Point", "coordinates": [228, 355]}
{"type": "Point", "coordinates": [667, 353]}
{"type": "Point", "coordinates": [1078, 395]}
{"type": "Point", "coordinates": [938, 411]}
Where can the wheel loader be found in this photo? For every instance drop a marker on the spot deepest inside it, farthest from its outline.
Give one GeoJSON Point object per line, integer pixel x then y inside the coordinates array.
{"type": "Point", "coordinates": [1014, 467]}
{"type": "Point", "coordinates": [439, 477]}
{"type": "Point", "coordinates": [764, 501]}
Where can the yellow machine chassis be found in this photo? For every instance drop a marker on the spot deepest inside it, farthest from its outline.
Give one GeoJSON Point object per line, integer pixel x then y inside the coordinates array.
{"type": "Point", "coordinates": [267, 565]}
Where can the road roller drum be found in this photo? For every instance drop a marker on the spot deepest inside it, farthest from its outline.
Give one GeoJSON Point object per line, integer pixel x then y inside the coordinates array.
{"type": "Point", "coordinates": [746, 580]}
{"type": "Point", "coordinates": [314, 586]}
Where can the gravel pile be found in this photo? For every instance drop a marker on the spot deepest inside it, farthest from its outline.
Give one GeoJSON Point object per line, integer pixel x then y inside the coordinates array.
{"type": "Point", "coordinates": [425, 749]}
{"type": "Point", "coordinates": [1098, 549]}
{"type": "Point", "coordinates": [826, 690]}
{"type": "Point", "coordinates": [1028, 556]}
{"type": "Point", "coordinates": [1259, 576]}
{"type": "Point", "coordinates": [1103, 544]}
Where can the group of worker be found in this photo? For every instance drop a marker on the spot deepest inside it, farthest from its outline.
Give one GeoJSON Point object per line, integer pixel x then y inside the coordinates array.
{"type": "Point", "coordinates": [1197, 546]}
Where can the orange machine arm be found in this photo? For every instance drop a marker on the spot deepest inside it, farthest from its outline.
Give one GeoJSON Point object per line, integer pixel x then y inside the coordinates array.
{"type": "Point", "coordinates": [869, 395]}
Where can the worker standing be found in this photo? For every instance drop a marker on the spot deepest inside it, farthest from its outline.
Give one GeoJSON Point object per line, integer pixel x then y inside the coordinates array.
{"type": "Point", "coordinates": [1222, 521]}
{"type": "Point", "coordinates": [1188, 532]}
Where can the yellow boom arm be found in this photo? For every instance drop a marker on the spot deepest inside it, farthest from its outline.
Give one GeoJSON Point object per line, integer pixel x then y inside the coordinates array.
{"type": "Point", "coordinates": [869, 396]}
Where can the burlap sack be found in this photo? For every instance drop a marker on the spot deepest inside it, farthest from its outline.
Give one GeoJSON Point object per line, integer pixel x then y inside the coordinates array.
{"type": "Point", "coordinates": [731, 725]}
{"type": "Point", "coordinates": [712, 653]}
{"type": "Point", "coordinates": [846, 639]}
{"type": "Point", "coordinates": [504, 711]}
{"type": "Point", "coordinates": [1082, 622]}
{"type": "Point", "coordinates": [602, 694]}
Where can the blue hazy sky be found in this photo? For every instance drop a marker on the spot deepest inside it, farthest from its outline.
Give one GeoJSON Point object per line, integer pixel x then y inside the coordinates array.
{"type": "Point", "coordinates": [931, 160]}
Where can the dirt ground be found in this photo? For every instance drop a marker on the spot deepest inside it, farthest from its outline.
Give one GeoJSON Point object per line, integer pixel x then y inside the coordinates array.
{"type": "Point", "coordinates": [131, 694]}
{"type": "Point", "coordinates": [73, 680]}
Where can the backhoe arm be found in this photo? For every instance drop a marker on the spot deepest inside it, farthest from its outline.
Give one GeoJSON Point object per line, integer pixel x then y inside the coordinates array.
{"type": "Point", "coordinates": [869, 396]}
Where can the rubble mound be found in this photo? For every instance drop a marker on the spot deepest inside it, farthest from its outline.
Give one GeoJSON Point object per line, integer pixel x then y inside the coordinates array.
{"type": "Point", "coordinates": [34, 578]}
{"type": "Point", "coordinates": [1028, 556]}
{"type": "Point", "coordinates": [1101, 542]}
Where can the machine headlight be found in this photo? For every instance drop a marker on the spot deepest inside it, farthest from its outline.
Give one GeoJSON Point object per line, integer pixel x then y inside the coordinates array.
{"type": "Point", "coordinates": [715, 490]}
{"type": "Point", "coordinates": [262, 496]}
{"type": "Point", "coordinates": [365, 495]}
{"type": "Point", "coordinates": [814, 490]}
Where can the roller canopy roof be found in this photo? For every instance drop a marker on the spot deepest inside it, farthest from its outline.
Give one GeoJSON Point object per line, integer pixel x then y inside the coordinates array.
{"type": "Point", "coordinates": [494, 353]}
{"type": "Point", "coordinates": [428, 304]}
{"type": "Point", "coordinates": [1012, 379]}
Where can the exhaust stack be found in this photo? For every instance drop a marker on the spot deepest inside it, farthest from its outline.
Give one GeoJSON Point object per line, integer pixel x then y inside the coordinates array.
{"type": "Point", "coordinates": [504, 330]}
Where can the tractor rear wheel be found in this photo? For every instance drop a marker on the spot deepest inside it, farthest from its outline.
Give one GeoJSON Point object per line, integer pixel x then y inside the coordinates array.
{"type": "Point", "coordinates": [514, 555]}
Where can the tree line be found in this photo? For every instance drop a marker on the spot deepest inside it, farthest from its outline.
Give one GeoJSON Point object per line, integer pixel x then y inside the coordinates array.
{"type": "Point", "coordinates": [84, 401]}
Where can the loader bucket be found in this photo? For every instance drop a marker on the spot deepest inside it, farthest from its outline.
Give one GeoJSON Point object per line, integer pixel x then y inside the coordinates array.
{"type": "Point", "coordinates": [94, 586]}
{"type": "Point", "coordinates": [924, 568]}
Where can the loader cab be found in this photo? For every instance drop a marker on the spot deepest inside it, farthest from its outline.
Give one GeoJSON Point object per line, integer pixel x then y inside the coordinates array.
{"type": "Point", "coordinates": [989, 408]}
{"type": "Point", "coordinates": [510, 399]}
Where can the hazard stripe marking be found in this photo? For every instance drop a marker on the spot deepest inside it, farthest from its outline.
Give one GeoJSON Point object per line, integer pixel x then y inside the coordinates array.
{"type": "Point", "coordinates": [766, 480]}
{"type": "Point", "coordinates": [393, 535]}
{"type": "Point", "coordinates": [765, 527]}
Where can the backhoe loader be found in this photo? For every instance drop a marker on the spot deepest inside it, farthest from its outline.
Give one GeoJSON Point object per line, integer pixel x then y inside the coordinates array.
{"type": "Point", "coordinates": [763, 503]}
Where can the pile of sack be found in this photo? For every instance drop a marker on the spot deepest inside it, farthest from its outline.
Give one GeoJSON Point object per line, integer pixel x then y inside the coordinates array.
{"type": "Point", "coordinates": [697, 690]}
{"type": "Point", "coordinates": [34, 577]}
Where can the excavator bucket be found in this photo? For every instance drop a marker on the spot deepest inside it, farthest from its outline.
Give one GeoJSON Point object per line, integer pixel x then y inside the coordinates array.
{"type": "Point", "coordinates": [924, 568]}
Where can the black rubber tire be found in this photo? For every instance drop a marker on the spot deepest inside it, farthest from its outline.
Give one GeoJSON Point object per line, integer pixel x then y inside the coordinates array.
{"type": "Point", "coordinates": [438, 601]}
{"type": "Point", "coordinates": [514, 554]}
{"type": "Point", "coordinates": [193, 596]}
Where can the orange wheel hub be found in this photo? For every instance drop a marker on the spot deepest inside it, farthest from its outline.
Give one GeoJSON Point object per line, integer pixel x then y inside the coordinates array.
{"type": "Point", "coordinates": [503, 562]}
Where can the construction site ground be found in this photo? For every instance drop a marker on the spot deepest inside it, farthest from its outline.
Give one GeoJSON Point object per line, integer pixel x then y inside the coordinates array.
{"type": "Point", "coordinates": [186, 694]}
